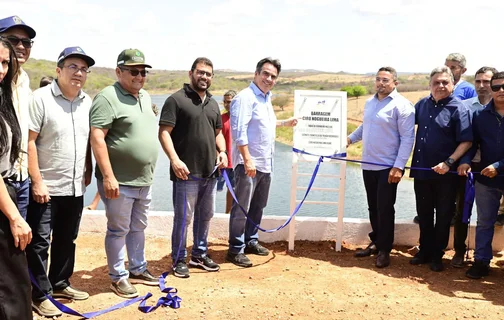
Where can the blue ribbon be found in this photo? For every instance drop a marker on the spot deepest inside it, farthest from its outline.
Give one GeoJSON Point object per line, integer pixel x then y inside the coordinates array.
{"type": "Point", "coordinates": [468, 198]}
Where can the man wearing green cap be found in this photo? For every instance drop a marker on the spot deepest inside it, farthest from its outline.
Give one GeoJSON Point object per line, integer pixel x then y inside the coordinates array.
{"type": "Point", "coordinates": [124, 142]}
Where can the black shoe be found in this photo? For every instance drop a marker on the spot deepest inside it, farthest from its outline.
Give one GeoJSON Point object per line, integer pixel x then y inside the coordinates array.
{"type": "Point", "coordinates": [500, 220]}
{"type": "Point", "coordinates": [478, 270]}
{"type": "Point", "coordinates": [437, 266]}
{"type": "Point", "coordinates": [144, 278]}
{"type": "Point", "coordinates": [370, 249]}
{"type": "Point", "coordinates": [239, 259]}
{"type": "Point", "coordinates": [204, 263]}
{"type": "Point", "coordinates": [383, 259]}
{"type": "Point", "coordinates": [420, 258]}
{"type": "Point", "coordinates": [458, 260]}
{"type": "Point", "coordinates": [256, 248]}
{"type": "Point", "coordinates": [416, 219]}
{"type": "Point", "coordinates": [124, 289]}
{"type": "Point", "coordinates": [181, 270]}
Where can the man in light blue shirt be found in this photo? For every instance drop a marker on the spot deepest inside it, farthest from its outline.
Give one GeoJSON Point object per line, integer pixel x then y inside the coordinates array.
{"type": "Point", "coordinates": [388, 134]}
{"type": "Point", "coordinates": [253, 130]}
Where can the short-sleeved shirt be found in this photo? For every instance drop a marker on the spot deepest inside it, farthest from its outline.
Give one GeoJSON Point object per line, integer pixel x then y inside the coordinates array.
{"type": "Point", "coordinates": [63, 134]}
{"type": "Point", "coordinates": [442, 126]}
{"type": "Point", "coordinates": [226, 132]}
{"type": "Point", "coordinates": [194, 123]}
{"type": "Point", "coordinates": [131, 139]}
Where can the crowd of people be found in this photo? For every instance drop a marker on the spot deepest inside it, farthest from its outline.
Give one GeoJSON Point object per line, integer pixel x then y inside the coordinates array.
{"type": "Point", "coordinates": [458, 130]}
{"type": "Point", "coordinates": [48, 137]}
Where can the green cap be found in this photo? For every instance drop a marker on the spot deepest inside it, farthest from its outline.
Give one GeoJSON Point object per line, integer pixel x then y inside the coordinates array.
{"type": "Point", "coordinates": [131, 57]}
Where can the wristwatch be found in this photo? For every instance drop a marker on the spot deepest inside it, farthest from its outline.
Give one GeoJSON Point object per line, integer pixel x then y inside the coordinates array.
{"type": "Point", "coordinates": [449, 162]}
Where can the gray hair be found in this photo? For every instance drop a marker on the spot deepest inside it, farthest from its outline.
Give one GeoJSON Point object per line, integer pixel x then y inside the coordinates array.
{"type": "Point", "coordinates": [443, 69]}
{"type": "Point", "coordinates": [390, 70]}
{"type": "Point", "coordinates": [230, 93]}
{"type": "Point", "coordinates": [457, 57]}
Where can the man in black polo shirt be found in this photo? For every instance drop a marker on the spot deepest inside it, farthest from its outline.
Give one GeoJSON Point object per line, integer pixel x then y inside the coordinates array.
{"type": "Point", "coordinates": [190, 134]}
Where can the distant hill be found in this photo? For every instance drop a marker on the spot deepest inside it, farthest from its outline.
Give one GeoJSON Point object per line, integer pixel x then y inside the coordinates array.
{"type": "Point", "coordinates": [168, 81]}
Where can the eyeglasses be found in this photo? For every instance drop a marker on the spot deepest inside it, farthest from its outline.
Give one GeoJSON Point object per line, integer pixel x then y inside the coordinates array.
{"type": "Point", "coordinates": [74, 69]}
{"type": "Point", "coordinates": [135, 72]}
{"type": "Point", "coordinates": [27, 43]}
{"type": "Point", "coordinates": [202, 73]}
{"type": "Point", "coordinates": [384, 80]}
{"type": "Point", "coordinates": [497, 87]}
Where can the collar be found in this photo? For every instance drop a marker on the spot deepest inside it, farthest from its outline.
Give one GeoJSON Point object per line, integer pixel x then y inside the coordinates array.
{"type": "Point", "coordinates": [258, 91]}
{"type": "Point", "coordinates": [56, 91]}
{"type": "Point", "coordinates": [458, 83]}
{"type": "Point", "coordinates": [391, 95]}
{"type": "Point", "coordinates": [22, 80]}
{"type": "Point", "coordinates": [190, 91]}
{"type": "Point", "coordinates": [442, 101]}
{"type": "Point", "coordinates": [123, 91]}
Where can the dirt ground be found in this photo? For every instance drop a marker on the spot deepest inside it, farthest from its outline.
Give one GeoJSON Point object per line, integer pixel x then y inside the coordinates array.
{"type": "Point", "coordinates": [313, 282]}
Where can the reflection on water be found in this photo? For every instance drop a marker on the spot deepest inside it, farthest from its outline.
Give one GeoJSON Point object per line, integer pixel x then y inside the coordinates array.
{"type": "Point", "coordinates": [279, 200]}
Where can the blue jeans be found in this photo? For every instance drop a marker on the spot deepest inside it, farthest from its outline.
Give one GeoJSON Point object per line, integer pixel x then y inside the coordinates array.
{"type": "Point", "coordinates": [487, 203]}
{"type": "Point", "coordinates": [126, 223]}
{"type": "Point", "coordinates": [252, 195]}
{"type": "Point", "coordinates": [22, 195]}
{"type": "Point", "coordinates": [199, 202]}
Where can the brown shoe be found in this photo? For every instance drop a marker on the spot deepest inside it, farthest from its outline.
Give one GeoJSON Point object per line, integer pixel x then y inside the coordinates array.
{"type": "Point", "coordinates": [370, 249]}
{"type": "Point", "coordinates": [383, 259]}
{"type": "Point", "coordinates": [46, 308]}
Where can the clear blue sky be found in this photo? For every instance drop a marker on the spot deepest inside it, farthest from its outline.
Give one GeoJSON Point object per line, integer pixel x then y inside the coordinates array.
{"type": "Point", "coordinates": [354, 36]}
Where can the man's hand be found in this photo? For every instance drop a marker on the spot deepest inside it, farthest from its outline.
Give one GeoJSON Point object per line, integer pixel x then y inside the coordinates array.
{"type": "Point", "coordinates": [489, 171]}
{"type": "Point", "coordinates": [21, 232]}
{"type": "Point", "coordinates": [222, 160]}
{"type": "Point", "coordinates": [180, 169]}
{"type": "Point", "coordinates": [111, 187]}
{"type": "Point", "coordinates": [250, 169]}
{"type": "Point", "coordinates": [463, 169]}
{"type": "Point", "coordinates": [441, 168]}
{"type": "Point", "coordinates": [395, 175]}
{"type": "Point", "coordinates": [291, 122]}
{"type": "Point", "coordinates": [40, 192]}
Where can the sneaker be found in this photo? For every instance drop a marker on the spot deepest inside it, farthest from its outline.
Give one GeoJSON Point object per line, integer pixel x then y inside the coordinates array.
{"type": "Point", "coordinates": [46, 308]}
{"type": "Point", "coordinates": [256, 248]}
{"type": "Point", "coordinates": [458, 260]}
{"type": "Point", "coordinates": [124, 289]}
{"type": "Point", "coordinates": [180, 270]}
{"type": "Point", "coordinates": [239, 259]}
{"type": "Point", "coordinates": [143, 278]}
{"type": "Point", "coordinates": [478, 270]}
{"type": "Point", "coordinates": [500, 220]}
{"type": "Point", "coordinates": [204, 263]}
{"type": "Point", "coordinates": [70, 293]}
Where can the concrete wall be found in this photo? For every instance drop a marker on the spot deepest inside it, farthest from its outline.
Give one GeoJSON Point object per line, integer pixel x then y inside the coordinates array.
{"type": "Point", "coordinates": [307, 228]}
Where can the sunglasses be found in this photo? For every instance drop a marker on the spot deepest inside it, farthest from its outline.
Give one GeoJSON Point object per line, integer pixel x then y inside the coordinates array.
{"type": "Point", "coordinates": [27, 43]}
{"type": "Point", "coordinates": [135, 72]}
{"type": "Point", "coordinates": [497, 87]}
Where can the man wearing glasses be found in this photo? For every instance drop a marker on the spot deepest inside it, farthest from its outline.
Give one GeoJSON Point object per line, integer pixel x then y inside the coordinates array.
{"type": "Point", "coordinates": [388, 133]}
{"type": "Point", "coordinates": [20, 35]}
{"type": "Point", "coordinates": [59, 160]}
{"type": "Point", "coordinates": [190, 134]}
{"type": "Point", "coordinates": [489, 186]}
{"type": "Point", "coordinates": [123, 139]}
{"type": "Point", "coordinates": [253, 128]}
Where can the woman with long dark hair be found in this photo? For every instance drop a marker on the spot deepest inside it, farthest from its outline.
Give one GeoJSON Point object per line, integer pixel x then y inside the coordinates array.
{"type": "Point", "coordinates": [15, 234]}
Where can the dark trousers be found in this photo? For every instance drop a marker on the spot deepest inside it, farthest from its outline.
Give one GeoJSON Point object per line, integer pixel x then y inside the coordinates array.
{"type": "Point", "coordinates": [438, 194]}
{"type": "Point", "coordinates": [61, 216]}
{"type": "Point", "coordinates": [381, 197]}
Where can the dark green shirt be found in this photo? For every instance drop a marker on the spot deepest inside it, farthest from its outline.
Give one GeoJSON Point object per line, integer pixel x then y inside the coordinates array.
{"type": "Point", "coordinates": [131, 139]}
